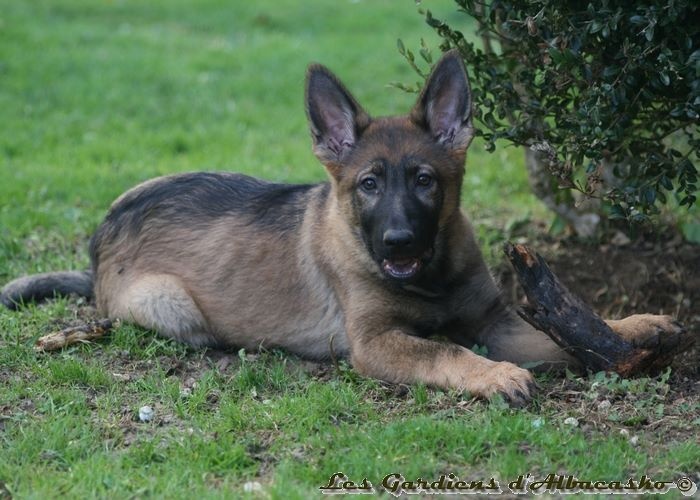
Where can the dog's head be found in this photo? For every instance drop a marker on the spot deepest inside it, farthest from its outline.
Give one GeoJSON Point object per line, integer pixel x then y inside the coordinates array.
{"type": "Point", "coordinates": [397, 179]}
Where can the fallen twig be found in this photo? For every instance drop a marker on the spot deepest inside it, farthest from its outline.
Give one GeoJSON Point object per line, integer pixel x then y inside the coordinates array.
{"type": "Point", "coordinates": [74, 334]}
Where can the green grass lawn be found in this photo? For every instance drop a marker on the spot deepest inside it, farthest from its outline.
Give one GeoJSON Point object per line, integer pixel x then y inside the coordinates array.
{"type": "Point", "coordinates": [96, 96]}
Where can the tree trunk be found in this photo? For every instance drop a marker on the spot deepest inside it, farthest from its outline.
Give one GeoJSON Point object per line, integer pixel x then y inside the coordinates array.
{"type": "Point", "coordinates": [582, 217]}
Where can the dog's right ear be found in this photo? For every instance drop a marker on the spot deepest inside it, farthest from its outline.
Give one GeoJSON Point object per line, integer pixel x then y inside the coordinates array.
{"type": "Point", "coordinates": [335, 117]}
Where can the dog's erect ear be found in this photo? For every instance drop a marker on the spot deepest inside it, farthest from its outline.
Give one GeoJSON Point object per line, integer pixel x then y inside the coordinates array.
{"type": "Point", "coordinates": [445, 105]}
{"type": "Point", "coordinates": [335, 117]}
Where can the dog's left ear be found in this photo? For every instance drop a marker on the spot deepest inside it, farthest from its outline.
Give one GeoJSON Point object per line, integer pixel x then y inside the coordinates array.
{"type": "Point", "coordinates": [444, 107]}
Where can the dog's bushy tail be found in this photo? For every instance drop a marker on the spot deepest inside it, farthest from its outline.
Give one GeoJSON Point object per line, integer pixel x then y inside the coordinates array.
{"type": "Point", "coordinates": [45, 286]}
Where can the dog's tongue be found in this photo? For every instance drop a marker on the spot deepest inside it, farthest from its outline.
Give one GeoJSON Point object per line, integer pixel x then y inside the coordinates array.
{"type": "Point", "coordinates": [401, 268]}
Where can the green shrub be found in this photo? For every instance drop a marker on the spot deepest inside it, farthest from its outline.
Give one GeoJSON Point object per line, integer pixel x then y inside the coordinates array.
{"type": "Point", "coordinates": [607, 93]}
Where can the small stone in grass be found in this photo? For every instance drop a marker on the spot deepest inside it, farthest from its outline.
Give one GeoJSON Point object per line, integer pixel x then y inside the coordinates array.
{"type": "Point", "coordinates": [146, 413]}
{"type": "Point", "coordinates": [251, 486]}
{"type": "Point", "coordinates": [571, 421]}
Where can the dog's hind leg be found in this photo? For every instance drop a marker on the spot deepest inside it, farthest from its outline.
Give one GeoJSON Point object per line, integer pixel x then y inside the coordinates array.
{"type": "Point", "coordinates": [162, 303]}
{"type": "Point", "coordinates": [509, 338]}
{"type": "Point", "coordinates": [514, 340]}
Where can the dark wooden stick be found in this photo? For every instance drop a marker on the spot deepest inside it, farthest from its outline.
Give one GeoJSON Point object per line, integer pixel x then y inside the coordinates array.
{"type": "Point", "coordinates": [572, 324]}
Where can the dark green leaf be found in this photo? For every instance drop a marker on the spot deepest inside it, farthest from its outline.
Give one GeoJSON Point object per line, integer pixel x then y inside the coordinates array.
{"type": "Point", "coordinates": [649, 195]}
{"type": "Point", "coordinates": [617, 212]}
{"type": "Point", "coordinates": [596, 26]}
{"type": "Point", "coordinates": [399, 45]}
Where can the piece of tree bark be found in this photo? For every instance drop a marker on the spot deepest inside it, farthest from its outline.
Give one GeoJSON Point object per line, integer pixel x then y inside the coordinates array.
{"type": "Point", "coordinates": [574, 326]}
{"type": "Point", "coordinates": [74, 334]}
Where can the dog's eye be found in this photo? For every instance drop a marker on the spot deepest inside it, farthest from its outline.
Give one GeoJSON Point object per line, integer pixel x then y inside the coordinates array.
{"type": "Point", "coordinates": [369, 184]}
{"type": "Point", "coordinates": [424, 180]}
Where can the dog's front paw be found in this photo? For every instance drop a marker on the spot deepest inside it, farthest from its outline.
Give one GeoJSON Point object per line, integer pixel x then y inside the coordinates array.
{"type": "Point", "coordinates": [650, 331]}
{"type": "Point", "coordinates": [516, 385]}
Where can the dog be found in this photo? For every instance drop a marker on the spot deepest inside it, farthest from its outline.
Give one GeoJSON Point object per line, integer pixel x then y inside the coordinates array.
{"type": "Point", "coordinates": [372, 265]}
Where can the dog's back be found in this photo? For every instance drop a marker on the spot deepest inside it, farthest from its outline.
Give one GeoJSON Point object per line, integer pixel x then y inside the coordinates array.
{"type": "Point", "coordinates": [203, 198]}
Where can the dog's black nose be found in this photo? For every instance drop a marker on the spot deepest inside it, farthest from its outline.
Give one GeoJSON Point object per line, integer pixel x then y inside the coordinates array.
{"type": "Point", "coordinates": [398, 238]}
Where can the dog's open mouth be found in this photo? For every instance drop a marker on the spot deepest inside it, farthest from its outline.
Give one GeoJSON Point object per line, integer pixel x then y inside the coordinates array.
{"type": "Point", "coordinates": [401, 268]}
{"type": "Point", "coordinates": [404, 268]}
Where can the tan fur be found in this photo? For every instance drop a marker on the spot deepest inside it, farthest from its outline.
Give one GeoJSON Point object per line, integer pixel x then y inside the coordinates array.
{"type": "Point", "coordinates": [646, 330]}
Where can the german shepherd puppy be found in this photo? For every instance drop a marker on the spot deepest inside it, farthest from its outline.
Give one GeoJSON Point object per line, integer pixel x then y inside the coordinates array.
{"type": "Point", "coordinates": [369, 265]}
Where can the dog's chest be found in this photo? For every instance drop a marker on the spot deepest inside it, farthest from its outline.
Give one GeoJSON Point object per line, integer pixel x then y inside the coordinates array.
{"type": "Point", "coordinates": [428, 313]}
